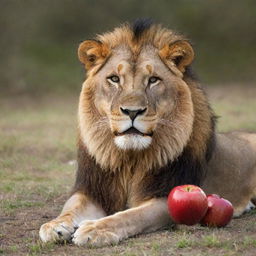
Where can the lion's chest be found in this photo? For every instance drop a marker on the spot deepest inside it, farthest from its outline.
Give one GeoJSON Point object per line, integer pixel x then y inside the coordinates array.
{"type": "Point", "coordinates": [111, 190]}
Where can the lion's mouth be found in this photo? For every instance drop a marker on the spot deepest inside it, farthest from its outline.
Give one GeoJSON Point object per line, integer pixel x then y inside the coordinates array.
{"type": "Point", "coordinates": [132, 131]}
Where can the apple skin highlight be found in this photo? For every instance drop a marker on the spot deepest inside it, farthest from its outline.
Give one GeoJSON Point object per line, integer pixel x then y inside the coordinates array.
{"type": "Point", "coordinates": [187, 204]}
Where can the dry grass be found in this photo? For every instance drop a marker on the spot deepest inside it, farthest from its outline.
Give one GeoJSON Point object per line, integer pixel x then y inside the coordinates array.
{"type": "Point", "coordinates": [37, 146]}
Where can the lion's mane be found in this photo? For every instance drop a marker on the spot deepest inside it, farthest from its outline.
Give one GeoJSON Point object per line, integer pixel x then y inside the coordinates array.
{"type": "Point", "coordinates": [107, 173]}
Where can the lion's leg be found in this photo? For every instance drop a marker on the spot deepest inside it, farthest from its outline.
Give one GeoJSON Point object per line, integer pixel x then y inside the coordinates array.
{"type": "Point", "coordinates": [148, 216]}
{"type": "Point", "coordinates": [75, 210]}
{"type": "Point", "coordinates": [242, 207]}
{"type": "Point", "coordinates": [245, 204]}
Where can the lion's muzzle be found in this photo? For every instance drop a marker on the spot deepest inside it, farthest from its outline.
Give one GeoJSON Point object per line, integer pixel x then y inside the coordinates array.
{"type": "Point", "coordinates": [132, 130]}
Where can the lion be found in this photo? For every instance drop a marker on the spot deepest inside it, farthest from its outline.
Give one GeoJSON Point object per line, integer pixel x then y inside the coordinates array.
{"type": "Point", "coordinates": [145, 126]}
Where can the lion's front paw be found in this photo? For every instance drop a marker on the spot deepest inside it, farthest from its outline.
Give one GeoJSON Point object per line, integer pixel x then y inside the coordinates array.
{"type": "Point", "coordinates": [95, 233]}
{"type": "Point", "coordinates": [56, 230]}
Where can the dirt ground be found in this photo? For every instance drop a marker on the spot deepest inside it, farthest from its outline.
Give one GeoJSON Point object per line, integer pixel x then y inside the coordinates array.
{"type": "Point", "coordinates": [37, 167]}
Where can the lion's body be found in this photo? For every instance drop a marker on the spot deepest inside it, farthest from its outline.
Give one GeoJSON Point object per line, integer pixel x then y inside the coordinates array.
{"type": "Point", "coordinates": [232, 169]}
{"type": "Point", "coordinates": [145, 126]}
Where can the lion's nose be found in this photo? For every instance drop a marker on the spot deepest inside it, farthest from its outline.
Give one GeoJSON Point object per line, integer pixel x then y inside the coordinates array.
{"type": "Point", "coordinates": [133, 113]}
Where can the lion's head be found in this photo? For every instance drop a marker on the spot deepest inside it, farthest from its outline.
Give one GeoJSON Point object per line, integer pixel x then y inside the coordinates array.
{"type": "Point", "coordinates": [138, 98]}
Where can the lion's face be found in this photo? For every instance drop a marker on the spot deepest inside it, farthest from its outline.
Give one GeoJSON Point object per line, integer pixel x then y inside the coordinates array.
{"type": "Point", "coordinates": [136, 96]}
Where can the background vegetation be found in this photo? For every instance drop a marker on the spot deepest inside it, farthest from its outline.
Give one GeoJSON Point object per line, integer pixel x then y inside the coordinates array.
{"type": "Point", "coordinates": [39, 39]}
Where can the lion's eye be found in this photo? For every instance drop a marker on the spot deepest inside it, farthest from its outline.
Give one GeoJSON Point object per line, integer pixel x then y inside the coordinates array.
{"type": "Point", "coordinates": [114, 79]}
{"type": "Point", "coordinates": [153, 79]}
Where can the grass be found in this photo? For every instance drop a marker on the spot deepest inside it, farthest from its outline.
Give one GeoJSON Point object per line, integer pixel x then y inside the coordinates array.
{"type": "Point", "coordinates": [37, 149]}
{"type": "Point", "coordinates": [184, 241]}
{"type": "Point", "coordinates": [211, 241]}
{"type": "Point", "coordinates": [249, 241]}
{"type": "Point", "coordinates": [38, 248]}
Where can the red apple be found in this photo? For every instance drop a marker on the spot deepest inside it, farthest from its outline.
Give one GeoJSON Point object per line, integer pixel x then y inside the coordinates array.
{"type": "Point", "coordinates": [219, 213]}
{"type": "Point", "coordinates": [187, 204]}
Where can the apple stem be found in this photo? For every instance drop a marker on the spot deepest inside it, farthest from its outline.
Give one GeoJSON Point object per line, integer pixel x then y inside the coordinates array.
{"type": "Point", "coordinates": [188, 188]}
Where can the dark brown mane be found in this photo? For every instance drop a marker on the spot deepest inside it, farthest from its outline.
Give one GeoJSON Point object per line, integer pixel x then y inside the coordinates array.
{"type": "Point", "coordinates": [140, 26]}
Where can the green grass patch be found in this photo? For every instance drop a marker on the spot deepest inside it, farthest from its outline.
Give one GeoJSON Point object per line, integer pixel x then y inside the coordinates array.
{"type": "Point", "coordinates": [156, 246]}
{"type": "Point", "coordinates": [39, 248]}
{"type": "Point", "coordinates": [13, 248]}
{"type": "Point", "coordinates": [184, 241]}
{"type": "Point", "coordinates": [211, 241]}
{"type": "Point", "coordinates": [10, 206]}
{"type": "Point", "coordinates": [249, 242]}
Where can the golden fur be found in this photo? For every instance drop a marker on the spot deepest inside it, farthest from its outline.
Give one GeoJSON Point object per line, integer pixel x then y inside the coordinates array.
{"type": "Point", "coordinates": [145, 126]}
{"type": "Point", "coordinates": [99, 141]}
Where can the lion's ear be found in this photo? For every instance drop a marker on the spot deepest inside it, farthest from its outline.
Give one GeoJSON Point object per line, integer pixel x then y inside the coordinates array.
{"type": "Point", "coordinates": [92, 52]}
{"type": "Point", "coordinates": [180, 53]}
